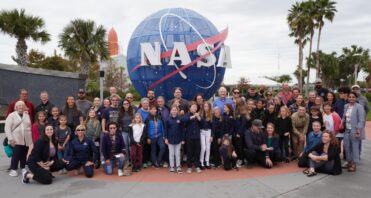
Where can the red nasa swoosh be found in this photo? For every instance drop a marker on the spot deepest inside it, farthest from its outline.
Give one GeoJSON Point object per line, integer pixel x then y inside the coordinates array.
{"type": "Point", "coordinates": [193, 46]}
{"type": "Point", "coordinates": [189, 64]}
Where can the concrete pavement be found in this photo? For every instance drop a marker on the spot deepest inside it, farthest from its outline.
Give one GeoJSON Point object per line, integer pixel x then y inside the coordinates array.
{"type": "Point", "coordinates": [245, 183]}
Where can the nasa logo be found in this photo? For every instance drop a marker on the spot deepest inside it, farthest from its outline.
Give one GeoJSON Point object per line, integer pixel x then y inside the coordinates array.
{"type": "Point", "coordinates": [177, 47]}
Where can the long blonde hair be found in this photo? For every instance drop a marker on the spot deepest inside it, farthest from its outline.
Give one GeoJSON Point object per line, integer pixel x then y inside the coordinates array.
{"type": "Point", "coordinates": [209, 114]}
{"type": "Point", "coordinates": [94, 120]}
{"type": "Point", "coordinates": [287, 112]}
{"type": "Point", "coordinates": [140, 117]}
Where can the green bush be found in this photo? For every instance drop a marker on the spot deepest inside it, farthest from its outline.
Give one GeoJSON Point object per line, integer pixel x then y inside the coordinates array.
{"type": "Point", "coordinates": [368, 96]}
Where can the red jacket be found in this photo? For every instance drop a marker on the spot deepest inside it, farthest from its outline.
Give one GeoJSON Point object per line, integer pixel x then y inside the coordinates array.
{"type": "Point", "coordinates": [337, 121]}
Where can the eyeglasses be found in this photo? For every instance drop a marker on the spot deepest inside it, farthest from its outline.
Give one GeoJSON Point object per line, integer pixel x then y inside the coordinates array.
{"type": "Point", "coordinates": [129, 97]}
{"type": "Point", "coordinates": [125, 103]}
{"type": "Point", "coordinates": [80, 129]}
{"type": "Point", "coordinates": [236, 92]}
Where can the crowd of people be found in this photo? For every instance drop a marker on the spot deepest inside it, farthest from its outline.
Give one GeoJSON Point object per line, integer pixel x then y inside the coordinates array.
{"type": "Point", "coordinates": [259, 128]}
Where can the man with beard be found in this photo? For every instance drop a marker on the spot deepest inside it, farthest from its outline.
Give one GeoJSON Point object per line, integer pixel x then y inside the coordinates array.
{"type": "Point", "coordinates": [321, 91]}
{"type": "Point", "coordinates": [82, 103]}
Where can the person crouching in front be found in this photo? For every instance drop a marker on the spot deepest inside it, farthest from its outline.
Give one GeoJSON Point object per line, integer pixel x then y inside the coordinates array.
{"type": "Point", "coordinates": [113, 150]}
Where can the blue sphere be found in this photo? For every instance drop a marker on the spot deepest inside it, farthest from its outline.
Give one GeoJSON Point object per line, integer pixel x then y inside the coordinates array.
{"type": "Point", "coordinates": [177, 25]}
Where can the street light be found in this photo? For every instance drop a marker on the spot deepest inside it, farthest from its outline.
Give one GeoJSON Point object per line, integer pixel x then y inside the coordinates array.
{"type": "Point", "coordinates": [356, 68]}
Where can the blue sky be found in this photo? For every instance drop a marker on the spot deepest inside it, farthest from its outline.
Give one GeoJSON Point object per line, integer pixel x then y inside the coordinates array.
{"type": "Point", "coordinates": [258, 32]}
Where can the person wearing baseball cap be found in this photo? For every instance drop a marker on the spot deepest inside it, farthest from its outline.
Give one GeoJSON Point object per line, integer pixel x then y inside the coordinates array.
{"type": "Point", "coordinates": [82, 103]}
{"type": "Point", "coordinates": [255, 140]}
{"type": "Point", "coordinates": [251, 94]}
{"type": "Point", "coordinates": [321, 91]}
{"type": "Point", "coordinates": [361, 99]}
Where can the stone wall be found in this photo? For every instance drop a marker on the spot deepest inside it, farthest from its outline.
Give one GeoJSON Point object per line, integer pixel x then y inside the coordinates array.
{"type": "Point", "coordinates": [58, 84]}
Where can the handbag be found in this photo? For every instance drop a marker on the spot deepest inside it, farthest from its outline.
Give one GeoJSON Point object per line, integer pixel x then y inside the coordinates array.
{"type": "Point", "coordinates": [128, 168]}
{"type": "Point", "coordinates": [7, 148]}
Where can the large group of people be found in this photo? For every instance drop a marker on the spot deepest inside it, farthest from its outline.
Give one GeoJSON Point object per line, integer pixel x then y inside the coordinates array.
{"type": "Point", "coordinates": [259, 128]}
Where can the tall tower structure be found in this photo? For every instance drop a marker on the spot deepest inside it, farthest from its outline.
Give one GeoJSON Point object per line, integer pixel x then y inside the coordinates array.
{"type": "Point", "coordinates": [113, 46]}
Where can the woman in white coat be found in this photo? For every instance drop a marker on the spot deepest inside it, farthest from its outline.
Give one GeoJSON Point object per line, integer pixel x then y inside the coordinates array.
{"type": "Point", "coordinates": [18, 132]}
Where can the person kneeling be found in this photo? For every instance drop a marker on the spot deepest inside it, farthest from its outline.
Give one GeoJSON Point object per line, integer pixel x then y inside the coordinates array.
{"type": "Point", "coordinates": [314, 138]}
{"type": "Point", "coordinates": [325, 157]}
{"type": "Point", "coordinates": [228, 154]}
{"type": "Point", "coordinates": [273, 153]}
{"type": "Point", "coordinates": [113, 150]}
{"type": "Point", "coordinates": [82, 153]}
{"type": "Point", "coordinates": [257, 150]}
{"type": "Point", "coordinates": [43, 159]}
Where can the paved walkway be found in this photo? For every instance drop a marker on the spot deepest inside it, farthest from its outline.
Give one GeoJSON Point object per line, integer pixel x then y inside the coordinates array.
{"type": "Point", "coordinates": [282, 181]}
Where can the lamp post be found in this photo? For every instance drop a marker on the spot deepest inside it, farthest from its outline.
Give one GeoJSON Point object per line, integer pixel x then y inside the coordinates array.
{"type": "Point", "coordinates": [101, 79]}
{"type": "Point", "coordinates": [356, 67]}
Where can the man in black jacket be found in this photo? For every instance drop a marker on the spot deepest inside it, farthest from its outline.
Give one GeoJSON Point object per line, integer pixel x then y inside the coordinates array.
{"type": "Point", "coordinates": [255, 140]}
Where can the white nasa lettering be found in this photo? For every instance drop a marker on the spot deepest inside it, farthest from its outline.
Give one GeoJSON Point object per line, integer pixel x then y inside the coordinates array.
{"type": "Point", "coordinates": [151, 56]}
{"type": "Point", "coordinates": [181, 49]}
{"type": "Point", "coordinates": [225, 57]}
{"type": "Point", "coordinates": [209, 60]}
{"type": "Point", "coordinates": [147, 53]}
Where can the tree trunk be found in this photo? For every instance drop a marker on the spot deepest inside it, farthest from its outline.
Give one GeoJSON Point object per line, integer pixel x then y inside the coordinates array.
{"type": "Point", "coordinates": [300, 83]}
{"type": "Point", "coordinates": [21, 51]}
{"type": "Point", "coordinates": [85, 64]}
{"type": "Point", "coordinates": [318, 73]}
{"type": "Point", "coordinates": [310, 55]}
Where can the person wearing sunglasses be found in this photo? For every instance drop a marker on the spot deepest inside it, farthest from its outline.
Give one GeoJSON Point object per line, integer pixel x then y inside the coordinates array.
{"type": "Point", "coordinates": [113, 149]}
{"type": "Point", "coordinates": [83, 153]}
{"type": "Point", "coordinates": [236, 95]}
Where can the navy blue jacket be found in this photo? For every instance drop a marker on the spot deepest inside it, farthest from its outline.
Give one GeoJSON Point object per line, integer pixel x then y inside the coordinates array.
{"type": "Point", "coordinates": [192, 126]}
{"type": "Point", "coordinates": [174, 132]}
{"type": "Point", "coordinates": [217, 130]}
{"type": "Point", "coordinates": [205, 124]}
{"type": "Point", "coordinates": [230, 125]}
{"type": "Point", "coordinates": [107, 145]}
{"type": "Point", "coordinates": [339, 107]}
{"type": "Point", "coordinates": [83, 151]}
{"type": "Point", "coordinates": [255, 140]}
{"type": "Point", "coordinates": [240, 125]}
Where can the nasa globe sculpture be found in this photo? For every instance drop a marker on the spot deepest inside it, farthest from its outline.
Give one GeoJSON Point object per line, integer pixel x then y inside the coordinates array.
{"type": "Point", "coordinates": [177, 47]}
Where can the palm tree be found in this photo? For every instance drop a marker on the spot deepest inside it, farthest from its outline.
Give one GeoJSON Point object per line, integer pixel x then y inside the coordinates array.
{"type": "Point", "coordinates": [280, 79]}
{"type": "Point", "coordinates": [309, 12]}
{"type": "Point", "coordinates": [325, 9]}
{"type": "Point", "coordinates": [84, 42]}
{"type": "Point", "coordinates": [297, 22]}
{"type": "Point", "coordinates": [352, 60]}
{"type": "Point", "coordinates": [17, 24]}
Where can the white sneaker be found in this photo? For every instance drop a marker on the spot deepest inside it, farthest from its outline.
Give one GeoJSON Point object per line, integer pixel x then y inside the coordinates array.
{"type": "Point", "coordinates": [24, 170]}
{"type": "Point", "coordinates": [13, 173]}
{"type": "Point", "coordinates": [239, 163]}
{"type": "Point", "coordinates": [120, 173]}
{"type": "Point", "coordinates": [198, 170]}
{"type": "Point", "coordinates": [189, 170]}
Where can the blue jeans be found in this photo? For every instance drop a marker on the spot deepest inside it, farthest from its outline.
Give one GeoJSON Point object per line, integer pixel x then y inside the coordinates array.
{"type": "Point", "coordinates": [108, 167]}
{"type": "Point", "coordinates": [161, 144]}
{"type": "Point", "coordinates": [62, 154]}
{"type": "Point", "coordinates": [75, 164]}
